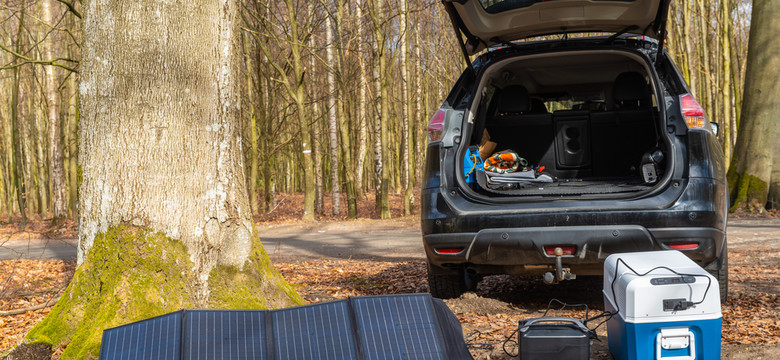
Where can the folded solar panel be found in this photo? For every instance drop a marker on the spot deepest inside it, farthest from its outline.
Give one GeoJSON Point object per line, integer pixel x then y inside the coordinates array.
{"type": "Point", "coordinates": [413, 326]}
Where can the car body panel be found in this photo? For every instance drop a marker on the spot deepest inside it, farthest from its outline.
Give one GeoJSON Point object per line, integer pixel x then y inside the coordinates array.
{"type": "Point", "coordinates": [484, 28]}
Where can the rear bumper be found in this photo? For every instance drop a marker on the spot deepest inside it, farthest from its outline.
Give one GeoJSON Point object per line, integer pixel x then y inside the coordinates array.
{"type": "Point", "coordinates": [521, 250]}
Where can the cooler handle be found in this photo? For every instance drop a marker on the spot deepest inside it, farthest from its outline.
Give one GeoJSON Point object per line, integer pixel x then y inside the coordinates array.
{"type": "Point", "coordinates": [675, 338]}
{"type": "Point", "coordinates": [576, 322]}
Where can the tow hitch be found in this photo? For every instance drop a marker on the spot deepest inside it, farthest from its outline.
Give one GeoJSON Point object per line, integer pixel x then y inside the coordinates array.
{"type": "Point", "coordinates": [561, 273]}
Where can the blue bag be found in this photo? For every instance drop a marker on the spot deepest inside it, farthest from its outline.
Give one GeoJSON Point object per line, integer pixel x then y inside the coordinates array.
{"type": "Point", "coordinates": [472, 163]}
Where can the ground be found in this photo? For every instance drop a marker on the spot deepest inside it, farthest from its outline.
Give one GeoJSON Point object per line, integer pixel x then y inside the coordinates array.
{"type": "Point", "coordinates": [338, 258]}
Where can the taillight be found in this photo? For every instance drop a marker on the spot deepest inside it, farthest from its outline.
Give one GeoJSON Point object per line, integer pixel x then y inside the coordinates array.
{"type": "Point", "coordinates": [684, 246]}
{"type": "Point", "coordinates": [693, 113]}
{"type": "Point", "coordinates": [566, 250]}
{"type": "Point", "coordinates": [447, 251]}
{"type": "Point", "coordinates": [436, 126]}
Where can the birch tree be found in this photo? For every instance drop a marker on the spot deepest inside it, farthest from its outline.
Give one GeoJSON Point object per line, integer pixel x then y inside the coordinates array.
{"type": "Point", "coordinates": [56, 165]}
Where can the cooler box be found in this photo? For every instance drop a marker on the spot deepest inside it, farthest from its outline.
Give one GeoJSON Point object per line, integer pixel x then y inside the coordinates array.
{"type": "Point", "coordinates": [651, 322]}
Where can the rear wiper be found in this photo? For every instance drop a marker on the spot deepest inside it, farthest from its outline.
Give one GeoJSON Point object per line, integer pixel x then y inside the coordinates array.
{"type": "Point", "coordinates": [621, 32]}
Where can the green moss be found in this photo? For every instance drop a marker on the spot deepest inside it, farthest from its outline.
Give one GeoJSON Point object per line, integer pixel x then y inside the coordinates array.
{"type": "Point", "coordinates": [132, 274]}
{"type": "Point", "coordinates": [750, 193]}
{"type": "Point", "coordinates": [249, 289]}
{"type": "Point", "coordinates": [121, 280]}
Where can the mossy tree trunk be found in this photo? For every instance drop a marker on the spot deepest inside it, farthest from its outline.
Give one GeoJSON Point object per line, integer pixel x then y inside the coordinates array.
{"type": "Point", "coordinates": [751, 165]}
{"type": "Point", "coordinates": [164, 216]}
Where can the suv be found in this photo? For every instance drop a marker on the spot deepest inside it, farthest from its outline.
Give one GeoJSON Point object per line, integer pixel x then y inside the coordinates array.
{"type": "Point", "coordinates": [617, 155]}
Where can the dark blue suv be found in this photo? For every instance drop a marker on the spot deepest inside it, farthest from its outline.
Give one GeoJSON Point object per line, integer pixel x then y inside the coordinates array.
{"type": "Point", "coordinates": [550, 154]}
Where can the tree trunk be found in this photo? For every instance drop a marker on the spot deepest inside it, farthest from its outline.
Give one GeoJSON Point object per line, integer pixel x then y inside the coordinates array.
{"type": "Point", "coordinates": [344, 117]}
{"type": "Point", "coordinates": [382, 103]}
{"type": "Point", "coordinates": [774, 187]}
{"type": "Point", "coordinates": [406, 175]}
{"type": "Point", "coordinates": [362, 103]}
{"type": "Point", "coordinates": [727, 114]}
{"type": "Point", "coordinates": [56, 165]}
{"type": "Point", "coordinates": [164, 217]}
{"type": "Point", "coordinates": [251, 96]}
{"type": "Point", "coordinates": [333, 135]}
{"type": "Point", "coordinates": [16, 124]}
{"type": "Point", "coordinates": [751, 166]}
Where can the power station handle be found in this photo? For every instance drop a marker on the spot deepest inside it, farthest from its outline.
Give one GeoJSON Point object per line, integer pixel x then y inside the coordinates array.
{"type": "Point", "coordinates": [673, 339]}
{"type": "Point", "coordinates": [539, 321]}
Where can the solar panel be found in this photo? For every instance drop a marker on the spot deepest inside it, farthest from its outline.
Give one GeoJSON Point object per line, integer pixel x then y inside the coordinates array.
{"type": "Point", "coordinates": [219, 334]}
{"type": "Point", "coordinates": [388, 327]}
{"type": "Point", "coordinates": [398, 327]}
{"type": "Point", "coordinates": [150, 339]}
{"type": "Point", "coordinates": [320, 331]}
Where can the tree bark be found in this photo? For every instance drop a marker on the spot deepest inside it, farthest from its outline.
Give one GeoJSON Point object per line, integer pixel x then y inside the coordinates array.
{"type": "Point", "coordinates": [164, 217]}
{"type": "Point", "coordinates": [751, 166]}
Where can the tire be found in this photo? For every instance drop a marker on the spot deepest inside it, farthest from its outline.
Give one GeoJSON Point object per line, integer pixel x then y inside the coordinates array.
{"type": "Point", "coordinates": [722, 275]}
{"type": "Point", "coordinates": [446, 286]}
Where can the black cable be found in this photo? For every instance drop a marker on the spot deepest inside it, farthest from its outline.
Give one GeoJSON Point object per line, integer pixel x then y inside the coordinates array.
{"type": "Point", "coordinates": [483, 345]}
{"type": "Point", "coordinates": [549, 304]}
{"type": "Point", "coordinates": [508, 339]}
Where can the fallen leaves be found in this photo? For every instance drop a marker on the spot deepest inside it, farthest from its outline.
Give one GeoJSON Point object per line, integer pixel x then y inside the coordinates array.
{"type": "Point", "coordinates": [24, 284]}
{"type": "Point", "coordinates": [488, 317]}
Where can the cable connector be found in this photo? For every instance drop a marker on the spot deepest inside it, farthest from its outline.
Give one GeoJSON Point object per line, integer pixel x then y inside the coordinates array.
{"type": "Point", "coordinates": [677, 304]}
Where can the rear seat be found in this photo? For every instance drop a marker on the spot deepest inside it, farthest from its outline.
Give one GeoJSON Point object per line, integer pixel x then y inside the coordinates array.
{"type": "Point", "coordinates": [517, 128]}
{"type": "Point", "coordinates": [579, 143]}
{"type": "Point", "coordinates": [620, 137]}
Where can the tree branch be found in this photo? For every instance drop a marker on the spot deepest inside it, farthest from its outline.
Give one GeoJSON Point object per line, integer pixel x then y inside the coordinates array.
{"type": "Point", "coordinates": [71, 8]}
{"type": "Point", "coordinates": [51, 302]}
{"type": "Point", "coordinates": [28, 60]}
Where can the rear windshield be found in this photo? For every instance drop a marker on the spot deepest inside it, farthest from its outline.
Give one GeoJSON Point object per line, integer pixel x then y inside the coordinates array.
{"type": "Point", "coordinates": [497, 6]}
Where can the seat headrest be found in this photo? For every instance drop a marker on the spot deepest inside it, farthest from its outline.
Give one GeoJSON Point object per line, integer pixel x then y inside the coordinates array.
{"type": "Point", "coordinates": [513, 99]}
{"type": "Point", "coordinates": [538, 107]}
{"type": "Point", "coordinates": [630, 91]}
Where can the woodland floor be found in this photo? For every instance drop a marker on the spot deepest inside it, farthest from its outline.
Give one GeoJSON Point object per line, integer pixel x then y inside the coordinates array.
{"type": "Point", "coordinates": [751, 316]}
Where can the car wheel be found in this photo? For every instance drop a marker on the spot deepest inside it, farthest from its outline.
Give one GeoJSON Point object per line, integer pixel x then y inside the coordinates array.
{"type": "Point", "coordinates": [722, 274]}
{"type": "Point", "coordinates": [446, 286]}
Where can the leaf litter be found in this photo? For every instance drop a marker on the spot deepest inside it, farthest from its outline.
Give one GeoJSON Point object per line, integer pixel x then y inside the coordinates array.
{"type": "Point", "coordinates": [488, 316]}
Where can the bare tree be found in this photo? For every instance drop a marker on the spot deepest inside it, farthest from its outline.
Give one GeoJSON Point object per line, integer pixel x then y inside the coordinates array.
{"type": "Point", "coordinates": [164, 216]}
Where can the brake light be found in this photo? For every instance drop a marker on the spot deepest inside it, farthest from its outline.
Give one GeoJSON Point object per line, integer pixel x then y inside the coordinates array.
{"type": "Point", "coordinates": [684, 246]}
{"type": "Point", "coordinates": [448, 250]}
{"type": "Point", "coordinates": [566, 250]}
{"type": "Point", "coordinates": [693, 113]}
{"type": "Point", "coordinates": [436, 126]}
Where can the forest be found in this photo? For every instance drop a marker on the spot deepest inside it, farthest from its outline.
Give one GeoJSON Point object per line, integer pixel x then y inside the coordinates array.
{"type": "Point", "coordinates": [341, 89]}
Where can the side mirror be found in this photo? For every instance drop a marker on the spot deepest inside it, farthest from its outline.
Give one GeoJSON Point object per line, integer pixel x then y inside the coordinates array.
{"type": "Point", "coordinates": [715, 128]}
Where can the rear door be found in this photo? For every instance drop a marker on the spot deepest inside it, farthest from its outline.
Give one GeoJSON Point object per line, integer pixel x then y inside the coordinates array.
{"type": "Point", "coordinates": [489, 22]}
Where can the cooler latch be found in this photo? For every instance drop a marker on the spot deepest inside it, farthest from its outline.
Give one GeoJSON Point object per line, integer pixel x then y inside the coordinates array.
{"type": "Point", "coordinates": [675, 339]}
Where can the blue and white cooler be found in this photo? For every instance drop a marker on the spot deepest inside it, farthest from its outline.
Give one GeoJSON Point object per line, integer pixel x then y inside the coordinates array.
{"type": "Point", "coordinates": [661, 315]}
